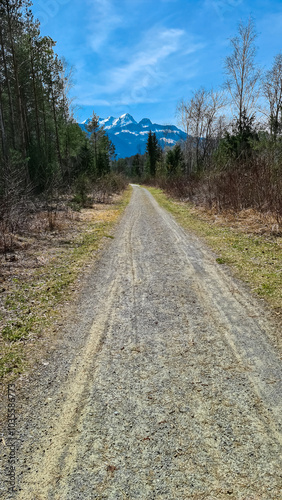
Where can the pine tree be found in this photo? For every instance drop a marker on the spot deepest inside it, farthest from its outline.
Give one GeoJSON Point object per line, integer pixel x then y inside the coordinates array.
{"type": "Point", "coordinates": [153, 153]}
{"type": "Point", "coordinates": [103, 148]}
{"type": "Point", "coordinates": [40, 145]}
{"type": "Point", "coordinates": [175, 161]}
{"type": "Point", "coordinates": [137, 165]}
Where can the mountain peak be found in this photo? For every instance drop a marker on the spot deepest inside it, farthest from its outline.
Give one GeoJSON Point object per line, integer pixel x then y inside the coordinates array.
{"type": "Point", "coordinates": [146, 122]}
{"type": "Point", "coordinates": [127, 115]}
{"type": "Point", "coordinates": [124, 120]}
{"type": "Point", "coordinates": [130, 137]}
{"type": "Point", "coordinates": [107, 122]}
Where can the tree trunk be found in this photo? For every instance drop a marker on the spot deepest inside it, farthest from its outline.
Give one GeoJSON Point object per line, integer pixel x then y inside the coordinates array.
{"type": "Point", "coordinates": [56, 127]}
{"type": "Point", "coordinates": [11, 107]}
{"type": "Point", "coordinates": [35, 95]}
{"type": "Point", "coordinates": [3, 132]}
{"type": "Point", "coordinates": [16, 75]}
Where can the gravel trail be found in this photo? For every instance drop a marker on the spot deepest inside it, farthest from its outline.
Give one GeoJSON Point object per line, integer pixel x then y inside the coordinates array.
{"type": "Point", "coordinates": [166, 385]}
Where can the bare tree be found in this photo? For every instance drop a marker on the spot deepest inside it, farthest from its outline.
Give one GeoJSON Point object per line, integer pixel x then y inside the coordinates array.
{"type": "Point", "coordinates": [243, 74]}
{"type": "Point", "coordinates": [200, 119]}
{"type": "Point", "coordinates": [272, 91]}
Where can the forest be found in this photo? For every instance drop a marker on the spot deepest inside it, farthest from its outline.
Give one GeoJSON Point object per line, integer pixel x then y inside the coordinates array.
{"type": "Point", "coordinates": [44, 153]}
{"type": "Point", "coordinates": [230, 160]}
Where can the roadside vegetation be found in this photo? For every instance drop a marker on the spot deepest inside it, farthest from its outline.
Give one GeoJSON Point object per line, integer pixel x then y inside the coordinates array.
{"type": "Point", "coordinates": [225, 180]}
{"type": "Point", "coordinates": [45, 156]}
{"type": "Point", "coordinates": [240, 240]}
{"type": "Point", "coordinates": [59, 196]}
{"type": "Point", "coordinates": [229, 161]}
{"type": "Point", "coordinates": [36, 287]}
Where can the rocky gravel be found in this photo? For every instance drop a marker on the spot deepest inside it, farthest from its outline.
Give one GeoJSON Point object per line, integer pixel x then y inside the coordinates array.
{"type": "Point", "coordinates": [165, 383]}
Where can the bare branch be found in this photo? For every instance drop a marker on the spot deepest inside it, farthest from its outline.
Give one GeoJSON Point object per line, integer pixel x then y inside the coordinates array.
{"type": "Point", "coordinates": [243, 74]}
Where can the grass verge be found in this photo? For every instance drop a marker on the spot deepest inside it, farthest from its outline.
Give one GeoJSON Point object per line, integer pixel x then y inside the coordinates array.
{"type": "Point", "coordinates": [31, 305]}
{"type": "Point", "coordinates": [255, 259]}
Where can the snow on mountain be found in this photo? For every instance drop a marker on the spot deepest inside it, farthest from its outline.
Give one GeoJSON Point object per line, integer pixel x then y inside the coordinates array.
{"type": "Point", "coordinates": [86, 122]}
{"type": "Point", "coordinates": [107, 123]}
{"type": "Point", "coordinates": [145, 122]}
{"type": "Point", "coordinates": [124, 120]}
{"type": "Point", "coordinates": [130, 137]}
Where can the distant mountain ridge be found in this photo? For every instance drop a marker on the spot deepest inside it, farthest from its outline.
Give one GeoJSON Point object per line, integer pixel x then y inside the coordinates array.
{"type": "Point", "coordinates": [130, 137]}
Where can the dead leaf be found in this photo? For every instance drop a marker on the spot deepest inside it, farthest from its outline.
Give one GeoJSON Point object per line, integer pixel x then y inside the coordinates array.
{"type": "Point", "coordinates": [111, 468]}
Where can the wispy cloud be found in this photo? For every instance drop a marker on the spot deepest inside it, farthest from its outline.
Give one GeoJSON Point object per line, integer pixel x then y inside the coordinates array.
{"type": "Point", "coordinates": [143, 64]}
{"type": "Point", "coordinates": [103, 20]}
{"type": "Point", "coordinates": [146, 67]}
{"type": "Point", "coordinates": [222, 7]}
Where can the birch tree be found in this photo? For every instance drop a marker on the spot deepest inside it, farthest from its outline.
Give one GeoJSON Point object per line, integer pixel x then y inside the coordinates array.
{"type": "Point", "coordinates": [272, 91]}
{"type": "Point", "coordinates": [242, 72]}
{"type": "Point", "coordinates": [200, 117]}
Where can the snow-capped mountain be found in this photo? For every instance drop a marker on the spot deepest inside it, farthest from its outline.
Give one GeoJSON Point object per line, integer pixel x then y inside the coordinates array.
{"type": "Point", "coordinates": [130, 137]}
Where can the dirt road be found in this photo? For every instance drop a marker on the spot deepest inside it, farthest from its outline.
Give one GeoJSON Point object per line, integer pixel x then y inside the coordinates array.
{"type": "Point", "coordinates": [166, 386]}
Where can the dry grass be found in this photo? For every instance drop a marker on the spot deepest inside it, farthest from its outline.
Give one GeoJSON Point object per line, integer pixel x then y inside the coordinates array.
{"type": "Point", "coordinates": [247, 241]}
{"type": "Point", "coordinates": [41, 276]}
{"type": "Point", "coordinates": [248, 221]}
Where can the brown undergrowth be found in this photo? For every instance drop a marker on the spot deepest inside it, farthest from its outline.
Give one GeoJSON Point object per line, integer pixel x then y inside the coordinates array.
{"type": "Point", "coordinates": [41, 274]}
{"type": "Point", "coordinates": [249, 221]}
{"type": "Point", "coordinates": [248, 241]}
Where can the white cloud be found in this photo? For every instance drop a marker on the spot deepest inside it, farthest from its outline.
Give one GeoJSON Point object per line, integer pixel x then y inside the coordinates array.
{"type": "Point", "coordinates": [143, 67]}
{"type": "Point", "coordinates": [156, 63]}
{"type": "Point", "coordinates": [103, 21]}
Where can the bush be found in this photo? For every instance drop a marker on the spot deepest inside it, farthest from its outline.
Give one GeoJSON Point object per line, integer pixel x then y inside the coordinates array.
{"type": "Point", "coordinates": [106, 186]}
{"type": "Point", "coordinates": [254, 184]}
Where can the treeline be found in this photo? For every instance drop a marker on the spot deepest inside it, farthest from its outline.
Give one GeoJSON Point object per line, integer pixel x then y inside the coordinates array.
{"type": "Point", "coordinates": [155, 163]}
{"type": "Point", "coordinates": [42, 149]}
{"type": "Point", "coordinates": [40, 141]}
{"type": "Point", "coordinates": [229, 160]}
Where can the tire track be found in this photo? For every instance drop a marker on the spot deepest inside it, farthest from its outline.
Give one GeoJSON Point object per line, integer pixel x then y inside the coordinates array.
{"type": "Point", "coordinates": [175, 391]}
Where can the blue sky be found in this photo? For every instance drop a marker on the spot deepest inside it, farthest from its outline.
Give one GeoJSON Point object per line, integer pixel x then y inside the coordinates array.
{"type": "Point", "coordinates": [143, 56]}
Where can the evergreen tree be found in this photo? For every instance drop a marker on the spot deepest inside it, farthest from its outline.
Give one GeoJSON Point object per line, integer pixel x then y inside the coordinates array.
{"type": "Point", "coordinates": [121, 166]}
{"type": "Point", "coordinates": [103, 148]}
{"type": "Point", "coordinates": [106, 153]}
{"type": "Point", "coordinates": [153, 153]}
{"type": "Point", "coordinates": [238, 144]}
{"type": "Point", "coordinates": [93, 129]}
{"type": "Point", "coordinates": [34, 108]}
{"type": "Point", "coordinates": [137, 165]}
{"type": "Point", "coordinates": [175, 161]}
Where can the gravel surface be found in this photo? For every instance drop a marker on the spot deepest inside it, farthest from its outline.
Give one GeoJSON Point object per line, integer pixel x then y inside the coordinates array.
{"type": "Point", "coordinates": [165, 385]}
